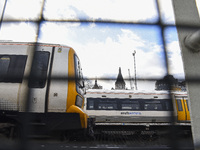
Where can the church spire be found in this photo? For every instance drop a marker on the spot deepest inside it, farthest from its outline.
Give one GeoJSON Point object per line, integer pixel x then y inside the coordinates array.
{"type": "Point", "coordinates": [96, 86]}
{"type": "Point", "coordinates": [120, 77]}
{"type": "Point", "coordinates": [120, 84]}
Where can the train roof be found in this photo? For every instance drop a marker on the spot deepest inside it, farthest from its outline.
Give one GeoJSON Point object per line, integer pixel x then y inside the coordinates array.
{"type": "Point", "coordinates": [130, 93]}
{"type": "Point", "coordinates": [90, 91]}
{"type": "Point", "coordinates": [33, 44]}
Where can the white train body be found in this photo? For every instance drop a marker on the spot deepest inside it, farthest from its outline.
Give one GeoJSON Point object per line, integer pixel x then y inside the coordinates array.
{"type": "Point", "coordinates": [40, 78]}
{"type": "Point", "coordinates": [132, 107]}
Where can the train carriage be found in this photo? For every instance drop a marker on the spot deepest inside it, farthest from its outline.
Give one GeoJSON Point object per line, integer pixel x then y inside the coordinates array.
{"type": "Point", "coordinates": [44, 81]}
{"type": "Point", "coordinates": [146, 108]}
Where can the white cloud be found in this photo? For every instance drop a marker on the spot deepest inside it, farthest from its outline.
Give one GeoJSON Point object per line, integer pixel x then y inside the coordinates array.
{"type": "Point", "coordinates": [23, 9]}
{"type": "Point", "coordinates": [150, 64]}
{"type": "Point", "coordinates": [133, 10]}
{"type": "Point", "coordinates": [167, 11]}
{"type": "Point", "coordinates": [21, 32]}
{"type": "Point", "coordinates": [103, 58]}
{"type": "Point", "coordinates": [130, 40]}
{"type": "Point", "coordinates": [175, 59]}
{"type": "Point", "coordinates": [58, 33]}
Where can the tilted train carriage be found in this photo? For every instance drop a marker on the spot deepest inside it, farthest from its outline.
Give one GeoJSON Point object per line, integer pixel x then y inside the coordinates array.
{"type": "Point", "coordinates": [41, 84]}
{"type": "Point", "coordinates": [138, 108]}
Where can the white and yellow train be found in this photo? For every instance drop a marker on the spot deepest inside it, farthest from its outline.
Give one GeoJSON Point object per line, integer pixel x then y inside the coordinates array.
{"type": "Point", "coordinates": [43, 80]}
{"type": "Point", "coordinates": [138, 108]}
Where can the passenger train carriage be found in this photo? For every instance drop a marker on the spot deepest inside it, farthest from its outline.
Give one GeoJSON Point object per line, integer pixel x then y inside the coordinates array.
{"type": "Point", "coordinates": [124, 107]}
{"type": "Point", "coordinates": [44, 80]}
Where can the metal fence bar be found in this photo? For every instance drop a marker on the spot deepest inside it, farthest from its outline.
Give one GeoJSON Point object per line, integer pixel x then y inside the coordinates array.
{"type": "Point", "coordinates": [163, 26]}
{"type": "Point", "coordinates": [186, 10]}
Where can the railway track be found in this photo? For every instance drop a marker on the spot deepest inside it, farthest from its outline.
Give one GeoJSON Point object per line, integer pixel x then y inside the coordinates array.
{"type": "Point", "coordinates": [106, 138]}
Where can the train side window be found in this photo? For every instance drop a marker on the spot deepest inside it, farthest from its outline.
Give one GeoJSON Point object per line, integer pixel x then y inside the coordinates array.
{"type": "Point", "coordinates": [102, 104]}
{"type": "Point", "coordinates": [12, 68]}
{"type": "Point", "coordinates": [4, 64]}
{"type": "Point", "coordinates": [79, 76]}
{"type": "Point", "coordinates": [39, 69]}
{"type": "Point", "coordinates": [90, 105]}
{"type": "Point", "coordinates": [180, 108]}
{"type": "Point", "coordinates": [153, 105]}
{"type": "Point", "coordinates": [130, 105]}
{"type": "Point", "coordinates": [168, 105]}
{"type": "Point", "coordinates": [106, 106]}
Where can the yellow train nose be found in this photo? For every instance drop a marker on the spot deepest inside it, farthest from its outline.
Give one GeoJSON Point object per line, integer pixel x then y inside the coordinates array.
{"type": "Point", "coordinates": [83, 115]}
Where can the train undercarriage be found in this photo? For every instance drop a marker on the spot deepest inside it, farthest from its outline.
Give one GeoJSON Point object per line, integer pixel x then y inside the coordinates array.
{"type": "Point", "coordinates": [42, 125]}
{"type": "Point", "coordinates": [56, 125]}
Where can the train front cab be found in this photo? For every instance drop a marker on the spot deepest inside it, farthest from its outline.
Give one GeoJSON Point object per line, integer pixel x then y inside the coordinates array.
{"type": "Point", "coordinates": [75, 99]}
{"type": "Point", "coordinates": [64, 104]}
{"type": "Point", "coordinates": [55, 103]}
{"type": "Point", "coordinates": [182, 108]}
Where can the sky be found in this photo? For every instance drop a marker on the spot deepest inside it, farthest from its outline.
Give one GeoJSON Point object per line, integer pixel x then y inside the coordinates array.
{"type": "Point", "coordinates": [102, 47]}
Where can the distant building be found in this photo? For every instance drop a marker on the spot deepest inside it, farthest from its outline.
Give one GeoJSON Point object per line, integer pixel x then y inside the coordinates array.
{"type": "Point", "coordinates": [96, 86]}
{"type": "Point", "coordinates": [169, 83]}
{"type": "Point", "coordinates": [120, 84]}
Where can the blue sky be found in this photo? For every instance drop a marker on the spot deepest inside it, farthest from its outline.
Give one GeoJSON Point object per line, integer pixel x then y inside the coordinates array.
{"type": "Point", "coordinates": [102, 48]}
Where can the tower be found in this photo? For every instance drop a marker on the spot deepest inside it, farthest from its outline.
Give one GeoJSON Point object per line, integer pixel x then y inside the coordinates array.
{"type": "Point", "coordinates": [120, 84]}
{"type": "Point", "coordinates": [96, 86]}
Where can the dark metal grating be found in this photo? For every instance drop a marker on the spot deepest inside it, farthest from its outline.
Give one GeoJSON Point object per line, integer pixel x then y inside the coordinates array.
{"type": "Point", "coordinates": [120, 138]}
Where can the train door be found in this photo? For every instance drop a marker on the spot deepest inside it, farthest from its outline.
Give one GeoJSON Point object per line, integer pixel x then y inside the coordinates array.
{"type": "Point", "coordinates": [49, 83]}
{"type": "Point", "coordinates": [182, 106]}
{"type": "Point", "coordinates": [58, 85]}
{"type": "Point", "coordinates": [38, 78]}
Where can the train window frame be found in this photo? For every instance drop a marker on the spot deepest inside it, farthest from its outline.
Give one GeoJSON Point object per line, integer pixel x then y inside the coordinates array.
{"type": "Point", "coordinates": [38, 75]}
{"type": "Point", "coordinates": [107, 106]}
{"type": "Point", "coordinates": [179, 104]}
{"type": "Point", "coordinates": [164, 104]}
{"type": "Point", "coordinates": [168, 105]}
{"type": "Point", "coordinates": [154, 105]}
{"type": "Point", "coordinates": [132, 107]}
{"type": "Point", "coordinates": [108, 100]}
{"type": "Point", "coordinates": [4, 65]}
{"type": "Point", "coordinates": [103, 102]}
{"type": "Point", "coordinates": [88, 101]}
{"type": "Point", "coordinates": [187, 104]}
{"type": "Point", "coordinates": [78, 75]}
{"type": "Point", "coordinates": [130, 102]}
{"type": "Point", "coordinates": [90, 105]}
{"type": "Point", "coordinates": [14, 69]}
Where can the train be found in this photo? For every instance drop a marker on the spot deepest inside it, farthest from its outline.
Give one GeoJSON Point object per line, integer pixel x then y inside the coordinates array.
{"type": "Point", "coordinates": [42, 84]}
{"type": "Point", "coordinates": [147, 109]}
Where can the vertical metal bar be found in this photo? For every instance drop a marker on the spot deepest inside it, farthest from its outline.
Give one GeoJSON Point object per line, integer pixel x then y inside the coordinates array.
{"type": "Point", "coordinates": [172, 131]}
{"type": "Point", "coordinates": [2, 15]}
{"type": "Point", "coordinates": [186, 14]}
{"type": "Point", "coordinates": [24, 144]}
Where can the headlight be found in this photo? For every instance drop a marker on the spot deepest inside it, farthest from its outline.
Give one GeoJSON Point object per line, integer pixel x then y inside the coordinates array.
{"type": "Point", "coordinates": [79, 101]}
